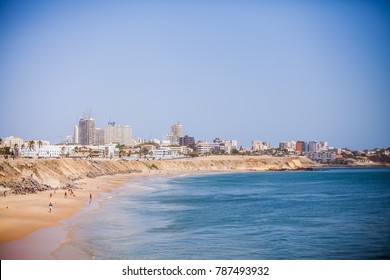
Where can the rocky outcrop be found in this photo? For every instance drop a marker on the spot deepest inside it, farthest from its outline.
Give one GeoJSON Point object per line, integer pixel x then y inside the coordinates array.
{"type": "Point", "coordinates": [31, 175]}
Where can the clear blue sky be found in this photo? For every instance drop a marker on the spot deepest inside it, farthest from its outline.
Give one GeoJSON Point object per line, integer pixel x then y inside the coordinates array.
{"type": "Point", "coordinates": [245, 70]}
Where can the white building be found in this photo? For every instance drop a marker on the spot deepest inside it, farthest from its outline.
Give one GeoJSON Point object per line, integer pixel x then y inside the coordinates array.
{"type": "Point", "coordinates": [76, 139]}
{"type": "Point", "coordinates": [12, 140]}
{"type": "Point", "coordinates": [120, 134]}
{"type": "Point", "coordinates": [228, 145]}
{"type": "Point", "coordinates": [164, 153]}
{"type": "Point", "coordinates": [47, 151]}
{"type": "Point", "coordinates": [323, 146]}
{"type": "Point", "coordinates": [259, 146]}
{"type": "Point", "coordinates": [181, 150]}
{"type": "Point", "coordinates": [323, 156]}
{"type": "Point", "coordinates": [205, 147]}
{"type": "Point", "coordinates": [165, 142]}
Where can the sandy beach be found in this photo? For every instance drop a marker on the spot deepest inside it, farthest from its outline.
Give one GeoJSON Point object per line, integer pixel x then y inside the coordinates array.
{"type": "Point", "coordinates": [30, 230]}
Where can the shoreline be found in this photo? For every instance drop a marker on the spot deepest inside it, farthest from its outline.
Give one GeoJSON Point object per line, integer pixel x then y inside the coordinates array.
{"type": "Point", "coordinates": [38, 232]}
{"type": "Point", "coordinates": [25, 214]}
{"type": "Point", "coordinates": [48, 240]}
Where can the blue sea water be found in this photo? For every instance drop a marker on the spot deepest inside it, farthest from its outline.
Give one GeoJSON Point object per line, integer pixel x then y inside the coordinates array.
{"type": "Point", "coordinates": [330, 213]}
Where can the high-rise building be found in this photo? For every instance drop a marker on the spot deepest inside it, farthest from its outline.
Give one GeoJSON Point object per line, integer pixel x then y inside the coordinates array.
{"type": "Point", "coordinates": [86, 131]}
{"type": "Point", "coordinates": [313, 147]}
{"type": "Point", "coordinates": [186, 141]}
{"type": "Point", "coordinates": [299, 147]}
{"type": "Point", "coordinates": [76, 134]}
{"type": "Point", "coordinates": [304, 147]}
{"type": "Point", "coordinates": [121, 134]}
{"type": "Point", "coordinates": [176, 133]}
{"type": "Point", "coordinates": [177, 129]}
{"type": "Point", "coordinates": [99, 136]}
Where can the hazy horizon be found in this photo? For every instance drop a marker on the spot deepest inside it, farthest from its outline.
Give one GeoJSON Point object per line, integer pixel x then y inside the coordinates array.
{"type": "Point", "coordinates": [244, 70]}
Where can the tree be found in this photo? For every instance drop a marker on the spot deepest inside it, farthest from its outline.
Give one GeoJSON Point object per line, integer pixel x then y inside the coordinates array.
{"type": "Point", "coordinates": [63, 150]}
{"type": "Point", "coordinates": [145, 151]}
{"type": "Point", "coordinates": [31, 145]}
{"type": "Point", "coordinates": [16, 150]}
{"type": "Point", "coordinates": [40, 144]}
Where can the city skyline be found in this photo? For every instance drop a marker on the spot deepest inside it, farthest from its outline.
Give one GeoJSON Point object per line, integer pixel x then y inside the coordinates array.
{"type": "Point", "coordinates": [269, 70]}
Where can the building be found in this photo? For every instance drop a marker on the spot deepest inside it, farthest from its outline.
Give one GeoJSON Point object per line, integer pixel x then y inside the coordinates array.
{"type": "Point", "coordinates": [70, 139]}
{"type": "Point", "coordinates": [288, 145]}
{"type": "Point", "coordinates": [177, 129]}
{"type": "Point", "coordinates": [312, 147]}
{"type": "Point", "coordinates": [259, 146]}
{"type": "Point", "coordinates": [99, 137]}
{"type": "Point", "coordinates": [11, 141]}
{"type": "Point", "coordinates": [164, 153]}
{"type": "Point", "coordinates": [76, 139]}
{"type": "Point", "coordinates": [45, 151]}
{"type": "Point", "coordinates": [119, 134]}
{"type": "Point", "coordinates": [175, 134]}
{"type": "Point", "coordinates": [204, 147]}
{"type": "Point", "coordinates": [87, 131]}
{"type": "Point", "coordinates": [323, 156]}
{"type": "Point", "coordinates": [323, 146]}
{"type": "Point", "coordinates": [267, 145]}
{"type": "Point", "coordinates": [186, 141]}
{"type": "Point", "coordinates": [301, 147]}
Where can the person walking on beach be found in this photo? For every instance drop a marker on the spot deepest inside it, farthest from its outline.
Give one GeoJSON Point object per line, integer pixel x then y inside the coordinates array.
{"type": "Point", "coordinates": [65, 195]}
{"type": "Point", "coordinates": [90, 198]}
{"type": "Point", "coordinates": [50, 207]}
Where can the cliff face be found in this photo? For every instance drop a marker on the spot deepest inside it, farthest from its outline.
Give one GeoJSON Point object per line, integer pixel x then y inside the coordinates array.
{"type": "Point", "coordinates": [30, 175]}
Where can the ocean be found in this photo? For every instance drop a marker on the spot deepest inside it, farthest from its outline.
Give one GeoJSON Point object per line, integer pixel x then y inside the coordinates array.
{"type": "Point", "coordinates": [328, 213]}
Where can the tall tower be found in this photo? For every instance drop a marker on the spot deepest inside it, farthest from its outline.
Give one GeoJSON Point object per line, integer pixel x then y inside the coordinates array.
{"type": "Point", "coordinates": [86, 131]}
{"type": "Point", "coordinates": [177, 130]}
{"type": "Point", "coordinates": [76, 134]}
{"type": "Point", "coordinates": [176, 133]}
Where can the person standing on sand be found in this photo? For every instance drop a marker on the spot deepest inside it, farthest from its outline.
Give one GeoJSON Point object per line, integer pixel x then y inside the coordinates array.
{"type": "Point", "coordinates": [65, 195]}
{"type": "Point", "coordinates": [90, 198]}
{"type": "Point", "coordinates": [50, 207]}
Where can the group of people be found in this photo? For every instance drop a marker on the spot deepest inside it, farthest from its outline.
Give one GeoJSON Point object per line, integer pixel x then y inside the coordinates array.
{"type": "Point", "coordinates": [65, 196]}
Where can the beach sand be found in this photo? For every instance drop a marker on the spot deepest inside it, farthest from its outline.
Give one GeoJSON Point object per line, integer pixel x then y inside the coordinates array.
{"type": "Point", "coordinates": [29, 231]}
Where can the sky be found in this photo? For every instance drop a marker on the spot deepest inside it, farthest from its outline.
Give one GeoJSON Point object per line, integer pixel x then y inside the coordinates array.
{"type": "Point", "coordinates": [243, 70]}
